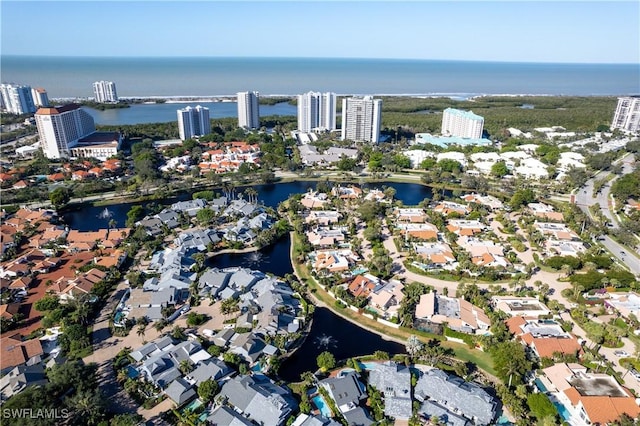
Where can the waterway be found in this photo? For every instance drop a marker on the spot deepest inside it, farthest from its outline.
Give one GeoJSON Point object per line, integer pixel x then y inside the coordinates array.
{"type": "Point", "coordinates": [92, 218]}
{"type": "Point", "coordinates": [167, 112]}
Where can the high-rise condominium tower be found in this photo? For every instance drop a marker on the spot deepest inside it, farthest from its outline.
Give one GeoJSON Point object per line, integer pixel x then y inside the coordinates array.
{"type": "Point", "coordinates": [60, 129]}
{"type": "Point", "coordinates": [17, 99]}
{"type": "Point", "coordinates": [627, 115]}
{"type": "Point", "coordinates": [193, 122]}
{"type": "Point", "coordinates": [105, 91]}
{"type": "Point", "coordinates": [361, 118]}
{"type": "Point", "coordinates": [316, 111]}
{"type": "Point", "coordinates": [463, 124]}
{"type": "Point", "coordinates": [40, 97]}
{"type": "Point", "coordinates": [248, 110]}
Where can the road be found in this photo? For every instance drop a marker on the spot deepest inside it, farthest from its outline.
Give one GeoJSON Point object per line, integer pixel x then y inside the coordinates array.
{"type": "Point", "coordinates": [585, 199]}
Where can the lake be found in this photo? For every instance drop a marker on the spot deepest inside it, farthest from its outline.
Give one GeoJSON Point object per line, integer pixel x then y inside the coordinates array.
{"type": "Point", "coordinates": [167, 112]}
{"type": "Point", "coordinates": [91, 218]}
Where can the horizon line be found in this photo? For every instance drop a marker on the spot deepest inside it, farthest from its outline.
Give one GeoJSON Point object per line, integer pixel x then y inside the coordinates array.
{"type": "Point", "coordinates": [549, 62]}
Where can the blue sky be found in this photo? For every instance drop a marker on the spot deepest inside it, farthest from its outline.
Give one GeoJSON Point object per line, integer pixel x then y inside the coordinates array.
{"type": "Point", "coordinates": [519, 31]}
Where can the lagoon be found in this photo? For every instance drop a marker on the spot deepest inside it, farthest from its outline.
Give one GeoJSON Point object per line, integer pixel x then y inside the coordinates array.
{"type": "Point", "coordinates": [167, 112]}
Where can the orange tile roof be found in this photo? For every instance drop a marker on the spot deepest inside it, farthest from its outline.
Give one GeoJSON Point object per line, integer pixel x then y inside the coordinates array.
{"type": "Point", "coordinates": [547, 346]}
{"type": "Point", "coordinates": [361, 286]}
{"type": "Point", "coordinates": [604, 409]}
{"type": "Point", "coordinates": [13, 351]}
{"type": "Point", "coordinates": [424, 234]}
{"type": "Point", "coordinates": [514, 324]}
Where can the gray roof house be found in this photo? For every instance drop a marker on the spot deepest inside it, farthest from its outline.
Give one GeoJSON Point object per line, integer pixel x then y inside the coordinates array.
{"type": "Point", "coordinates": [243, 279]}
{"type": "Point", "coordinates": [189, 207]}
{"type": "Point", "coordinates": [172, 259]}
{"type": "Point", "coordinates": [248, 345]}
{"type": "Point", "coordinates": [394, 381]}
{"type": "Point", "coordinates": [227, 417]}
{"type": "Point", "coordinates": [453, 393]}
{"type": "Point", "coordinates": [208, 369]}
{"type": "Point", "coordinates": [19, 378]}
{"type": "Point", "coordinates": [241, 207]}
{"type": "Point", "coordinates": [430, 409]}
{"type": "Point", "coordinates": [310, 420]}
{"type": "Point", "coordinates": [223, 337]}
{"type": "Point", "coordinates": [153, 348]}
{"type": "Point", "coordinates": [152, 225]}
{"type": "Point", "coordinates": [214, 280]}
{"type": "Point", "coordinates": [197, 239]}
{"type": "Point", "coordinates": [160, 369]}
{"type": "Point", "coordinates": [259, 398]}
{"type": "Point", "coordinates": [348, 392]}
{"type": "Point", "coordinates": [169, 217]}
{"type": "Point", "coordinates": [180, 391]}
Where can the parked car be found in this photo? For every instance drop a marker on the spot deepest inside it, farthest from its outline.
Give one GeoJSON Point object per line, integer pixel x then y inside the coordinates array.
{"type": "Point", "coordinates": [635, 374]}
{"type": "Point", "coordinates": [622, 354]}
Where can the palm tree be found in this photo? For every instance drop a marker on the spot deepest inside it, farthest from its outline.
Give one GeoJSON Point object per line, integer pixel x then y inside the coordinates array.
{"type": "Point", "coordinates": [185, 366]}
{"type": "Point", "coordinates": [142, 329]}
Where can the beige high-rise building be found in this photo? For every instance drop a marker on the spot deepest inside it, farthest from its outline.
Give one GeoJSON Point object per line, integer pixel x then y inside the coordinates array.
{"type": "Point", "coordinates": [248, 110]}
{"type": "Point", "coordinates": [60, 129]}
{"type": "Point", "coordinates": [361, 119]}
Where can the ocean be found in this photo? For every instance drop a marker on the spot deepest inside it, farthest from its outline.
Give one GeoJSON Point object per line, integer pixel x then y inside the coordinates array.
{"type": "Point", "coordinates": [69, 77]}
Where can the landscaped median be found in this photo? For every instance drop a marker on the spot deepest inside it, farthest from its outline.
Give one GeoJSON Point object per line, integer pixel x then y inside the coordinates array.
{"type": "Point", "coordinates": [320, 296]}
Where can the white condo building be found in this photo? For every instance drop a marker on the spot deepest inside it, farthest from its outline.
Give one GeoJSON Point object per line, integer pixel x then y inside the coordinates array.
{"type": "Point", "coordinates": [462, 124]}
{"type": "Point", "coordinates": [316, 112]}
{"type": "Point", "coordinates": [193, 122]}
{"type": "Point", "coordinates": [361, 119]}
{"type": "Point", "coordinates": [40, 97]}
{"type": "Point", "coordinates": [627, 115]}
{"type": "Point", "coordinates": [60, 129]}
{"type": "Point", "coordinates": [105, 91]}
{"type": "Point", "coordinates": [248, 110]}
{"type": "Point", "coordinates": [16, 98]}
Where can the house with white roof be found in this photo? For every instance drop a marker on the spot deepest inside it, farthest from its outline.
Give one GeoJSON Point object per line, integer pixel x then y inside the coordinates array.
{"type": "Point", "coordinates": [531, 168]}
{"type": "Point", "coordinates": [459, 314]}
{"type": "Point", "coordinates": [453, 155]}
{"type": "Point", "coordinates": [417, 156]}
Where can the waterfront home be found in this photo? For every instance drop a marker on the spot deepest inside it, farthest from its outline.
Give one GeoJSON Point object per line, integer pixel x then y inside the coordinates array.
{"type": "Point", "coordinates": [314, 200]}
{"type": "Point", "coordinates": [486, 200]}
{"type": "Point", "coordinates": [259, 399]}
{"type": "Point", "coordinates": [456, 396]}
{"type": "Point", "coordinates": [545, 338]}
{"type": "Point", "coordinates": [394, 381]}
{"type": "Point", "coordinates": [189, 207]}
{"type": "Point", "coordinates": [377, 196]}
{"type": "Point", "coordinates": [347, 392]}
{"type": "Point", "coordinates": [465, 227]}
{"type": "Point", "coordinates": [153, 226]}
{"type": "Point", "coordinates": [363, 285]}
{"type": "Point", "coordinates": [251, 347]}
{"type": "Point", "coordinates": [241, 208]}
{"type": "Point", "coordinates": [386, 298]}
{"type": "Point", "coordinates": [170, 218]}
{"type": "Point", "coordinates": [198, 239]}
{"type": "Point", "coordinates": [459, 314]}
{"type": "Point", "coordinates": [591, 397]}
{"type": "Point", "coordinates": [346, 192]}
{"type": "Point", "coordinates": [169, 259]}
{"type": "Point", "coordinates": [312, 420]}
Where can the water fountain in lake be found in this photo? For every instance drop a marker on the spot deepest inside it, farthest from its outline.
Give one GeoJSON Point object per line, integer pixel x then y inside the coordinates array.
{"type": "Point", "coordinates": [255, 258]}
{"type": "Point", "coordinates": [105, 214]}
{"type": "Point", "coordinates": [326, 342]}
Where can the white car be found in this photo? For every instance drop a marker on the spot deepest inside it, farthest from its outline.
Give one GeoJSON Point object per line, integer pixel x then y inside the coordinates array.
{"type": "Point", "coordinates": [622, 354]}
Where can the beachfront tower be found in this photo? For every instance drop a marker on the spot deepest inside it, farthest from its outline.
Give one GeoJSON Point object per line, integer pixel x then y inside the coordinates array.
{"type": "Point", "coordinates": [17, 99]}
{"type": "Point", "coordinates": [317, 112]}
{"type": "Point", "coordinates": [361, 118]}
{"type": "Point", "coordinates": [248, 110]}
{"type": "Point", "coordinates": [627, 115]}
{"type": "Point", "coordinates": [193, 122]}
{"type": "Point", "coordinates": [462, 124]}
{"type": "Point", "coordinates": [105, 91]}
{"type": "Point", "coordinates": [60, 128]}
{"type": "Point", "coordinates": [40, 97]}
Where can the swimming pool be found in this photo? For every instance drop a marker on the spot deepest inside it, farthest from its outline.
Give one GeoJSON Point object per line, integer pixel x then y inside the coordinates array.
{"type": "Point", "coordinates": [564, 413]}
{"type": "Point", "coordinates": [541, 386]}
{"type": "Point", "coordinates": [319, 402]}
{"type": "Point", "coordinates": [194, 405]}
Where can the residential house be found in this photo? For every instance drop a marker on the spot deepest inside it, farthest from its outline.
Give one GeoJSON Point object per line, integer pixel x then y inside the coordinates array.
{"type": "Point", "coordinates": [325, 237]}
{"type": "Point", "coordinates": [19, 378]}
{"type": "Point", "coordinates": [465, 227]}
{"type": "Point", "coordinates": [437, 255]}
{"type": "Point", "coordinates": [448, 207]}
{"type": "Point", "coordinates": [180, 391]}
{"type": "Point", "coordinates": [190, 207]}
{"type": "Point", "coordinates": [323, 217]}
{"type": "Point", "coordinates": [520, 306]}
{"type": "Point", "coordinates": [626, 303]}
{"type": "Point", "coordinates": [394, 381]}
{"type": "Point", "coordinates": [411, 215]}
{"type": "Point", "coordinates": [558, 231]}
{"type": "Point", "coordinates": [259, 399]}
{"type": "Point", "coordinates": [209, 369]}
{"type": "Point", "coordinates": [363, 285]}
{"type": "Point", "coordinates": [314, 200]}
{"type": "Point", "coordinates": [459, 314]}
{"type": "Point", "coordinates": [347, 392]}
{"type": "Point", "coordinates": [591, 397]}
{"type": "Point", "coordinates": [484, 252]}
{"type": "Point", "coordinates": [331, 261]}
{"type": "Point", "coordinates": [420, 231]}
{"type": "Point", "coordinates": [226, 416]}
{"type": "Point", "coordinates": [546, 338]}
{"type": "Point", "coordinates": [386, 299]}
{"type": "Point", "coordinates": [14, 351]}
{"type": "Point", "coordinates": [346, 192]}
{"type": "Point", "coordinates": [486, 200]}
{"type": "Point", "coordinates": [456, 396]}
{"type": "Point", "coordinates": [545, 211]}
